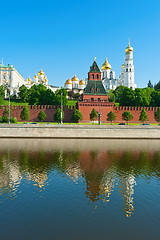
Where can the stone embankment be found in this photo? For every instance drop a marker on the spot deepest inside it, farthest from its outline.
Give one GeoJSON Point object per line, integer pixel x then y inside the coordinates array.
{"type": "Point", "coordinates": [79, 131]}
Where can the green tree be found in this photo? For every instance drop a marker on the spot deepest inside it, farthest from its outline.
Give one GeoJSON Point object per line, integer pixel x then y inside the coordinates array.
{"type": "Point", "coordinates": [111, 96]}
{"type": "Point", "coordinates": [111, 116]}
{"type": "Point", "coordinates": [42, 115]}
{"type": "Point", "coordinates": [25, 113]}
{"type": "Point", "coordinates": [124, 96]}
{"type": "Point", "coordinates": [157, 115]}
{"type": "Point", "coordinates": [142, 97]}
{"type": "Point", "coordinates": [157, 86]}
{"type": "Point", "coordinates": [127, 116]}
{"type": "Point", "coordinates": [143, 116]}
{"type": "Point", "coordinates": [93, 115]}
{"type": "Point", "coordinates": [58, 97]}
{"type": "Point", "coordinates": [150, 85]}
{"type": "Point", "coordinates": [2, 93]}
{"type": "Point", "coordinates": [5, 116]}
{"type": "Point", "coordinates": [77, 115]}
{"type": "Point", "coordinates": [155, 101]}
{"type": "Point", "coordinates": [23, 93]}
{"type": "Point", "coordinates": [57, 115]}
{"type": "Point", "coordinates": [37, 94]}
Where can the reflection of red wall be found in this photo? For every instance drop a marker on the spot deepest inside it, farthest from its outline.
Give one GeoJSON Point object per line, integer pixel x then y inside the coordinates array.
{"type": "Point", "coordinates": [34, 111]}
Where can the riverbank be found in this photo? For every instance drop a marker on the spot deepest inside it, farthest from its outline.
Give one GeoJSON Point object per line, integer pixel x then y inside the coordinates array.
{"type": "Point", "coordinates": [79, 131]}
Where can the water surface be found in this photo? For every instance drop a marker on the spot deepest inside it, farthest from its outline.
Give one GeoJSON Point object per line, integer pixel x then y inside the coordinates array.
{"type": "Point", "coordinates": [79, 189]}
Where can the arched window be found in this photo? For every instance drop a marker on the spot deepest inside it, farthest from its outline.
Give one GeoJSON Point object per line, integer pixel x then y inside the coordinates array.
{"type": "Point", "coordinates": [97, 76]}
{"type": "Point", "coordinates": [92, 76]}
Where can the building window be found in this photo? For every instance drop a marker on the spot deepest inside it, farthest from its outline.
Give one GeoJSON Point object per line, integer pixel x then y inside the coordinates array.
{"type": "Point", "coordinates": [127, 70]}
{"type": "Point", "coordinates": [97, 76]}
{"type": "Point", "coordinates": [92, 76]}
{"type": "Point", "coordinates": [4, 77]}
{"type": "Point", "coordinates": [92, 99]}
{"type": "Point", "coordinates": [130, 69]}
{"type": "Point", "coordinates": [99, 99]}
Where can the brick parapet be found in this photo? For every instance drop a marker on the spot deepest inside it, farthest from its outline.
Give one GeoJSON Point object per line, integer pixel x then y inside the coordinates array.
{"type": "Point", "coordinates": [85, 107]}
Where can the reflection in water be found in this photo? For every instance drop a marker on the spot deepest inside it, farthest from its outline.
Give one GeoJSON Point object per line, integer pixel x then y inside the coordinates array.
{"type": "Point", "coordinates": [101, 170]}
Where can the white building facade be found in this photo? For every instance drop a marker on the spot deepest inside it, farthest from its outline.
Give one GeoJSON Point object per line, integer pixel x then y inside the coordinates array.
{"type": "Point", "coordinates": [9, 77]}
{"type": "Point", "coordinates": [126, 77]}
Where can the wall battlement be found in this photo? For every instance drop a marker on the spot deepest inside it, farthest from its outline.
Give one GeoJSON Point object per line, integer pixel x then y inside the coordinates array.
{"type": "Point", "coordinates": [85, 107]}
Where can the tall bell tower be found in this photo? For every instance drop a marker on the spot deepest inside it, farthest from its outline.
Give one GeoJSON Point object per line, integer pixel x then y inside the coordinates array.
{"type": "Point", "coordinates": [128, 68]}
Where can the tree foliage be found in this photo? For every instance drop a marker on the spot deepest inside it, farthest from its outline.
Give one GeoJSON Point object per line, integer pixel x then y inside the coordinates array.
{"type": "Point", "coordinates": [127, 116]}
{"type": "Point", "coordinates": [157, 86]}
{"type": "Point", "coordinates": [2, 93]}
{"type": "Point", "coordinates": [77, 115]}
{"type": "Point", "coordinates": [143, 116]}
{"type": "Point", "coordinates": [111, 96]}
{"type": "Point", "coordinates": [93, 115]}
{"type": "Point", "coordinates": [57, 115]}
{"type": "Point", "coordinates": [25, 113]}
{"type": "Point", "coordinates": [23, 93]}
{"type": "Point", "coordinates": [157, 115]}
{"type": "Point", "coordinates": [42, 115]}
{"type": "Point", "coordinates": [150, 85]}
{"type": "Point", "coordinates": [111, 116]}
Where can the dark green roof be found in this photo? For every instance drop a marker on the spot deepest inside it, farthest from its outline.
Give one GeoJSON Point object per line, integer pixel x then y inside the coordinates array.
{"type": "Point", "coordinates": [4, 66]}
{"type": "Point", "coordinates": [95, 87]}
{"type": "Point", "coordinates": [94, 67]}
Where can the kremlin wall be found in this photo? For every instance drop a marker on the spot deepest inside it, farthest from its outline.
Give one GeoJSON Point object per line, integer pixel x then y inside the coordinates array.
{"type": "Point", "coordinates": [85, 108]}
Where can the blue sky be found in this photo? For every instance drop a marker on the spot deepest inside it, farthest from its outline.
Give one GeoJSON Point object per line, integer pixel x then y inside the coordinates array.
{"type": "Point", "coordinates": [63, 37]}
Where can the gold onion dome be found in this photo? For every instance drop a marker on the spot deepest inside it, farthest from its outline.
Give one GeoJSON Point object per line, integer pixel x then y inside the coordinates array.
{"type": "Point", "coordinates": [41, 72]}
{"type": "Point", "coordinates": [29, 79]}
{"type": "Point", "coordinates": [106, 65]}
{"type": "Point", "coordinates": [68, 81]}
{"type": "Point", "coordinates": [123, 65]}
{"type": "Point", "coordinates": [129, 48]}
{"type": "Point", "coordinates": [75, 78]}
{"type": "Point", "coordinates": [35, 76]}
{"type": "Point", "coordinates": [45, 79]}
{"type": "Point", "coordinates": [82, 82]}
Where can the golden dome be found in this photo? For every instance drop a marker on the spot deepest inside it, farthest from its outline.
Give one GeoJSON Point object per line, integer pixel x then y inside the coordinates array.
{"type": "Point", "coordinates": [68, 81]}
{"type": "Point", "coordinates": [106, 65]}
{"type": "Point", "coordinates": [82, 82]}
{"type": "Point", "coordinates": [129, 49]}
{"type": "Point", "coordinates": [35, 76]}
{"type": "Point", "coordinates": [75, 78]}
{"type": "Point", "coordinates": [41, 72]}
{"type": "Point", "coordinates": [29, 79]}
{"type": "Point", "coordinates": [123, 65]}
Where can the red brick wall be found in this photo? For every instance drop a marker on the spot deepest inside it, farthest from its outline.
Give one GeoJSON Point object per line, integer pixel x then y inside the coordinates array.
{"type": "Point", "coordinates": [97, 76]}
{"type": "Point", "coordinates": [106, 107]}
{"type": "Point", "coordinates": [85, 107]}
{"type": "Point", "coordinates": [34, 111]}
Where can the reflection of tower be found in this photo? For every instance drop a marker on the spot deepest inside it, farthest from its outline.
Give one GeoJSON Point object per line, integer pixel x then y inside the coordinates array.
{"type": "Point", "coordinates": [73, 171]}
{"type": "Point", "coordinates": [126, 188]}
{"type": "Point", "coordinates": [107, 185]}
{"type": "Point", "coordinates": [39, 178]}
{"type": "Point", "coordinates": [10, 176]}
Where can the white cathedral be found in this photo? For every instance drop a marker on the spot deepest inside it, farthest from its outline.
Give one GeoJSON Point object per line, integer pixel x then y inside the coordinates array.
{"type": "Point", "coordinates": [126, 77]}
{"type": "Point", "coordinates": [109, 81]}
